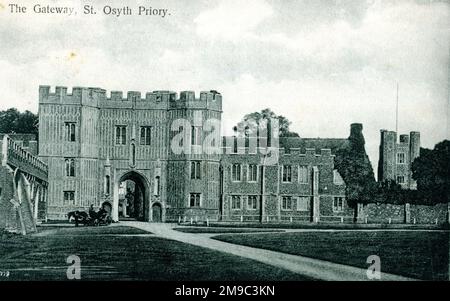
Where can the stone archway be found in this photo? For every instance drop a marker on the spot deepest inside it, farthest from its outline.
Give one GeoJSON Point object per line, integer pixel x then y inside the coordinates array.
{"type": "Point", "coordinates": [139, 207]}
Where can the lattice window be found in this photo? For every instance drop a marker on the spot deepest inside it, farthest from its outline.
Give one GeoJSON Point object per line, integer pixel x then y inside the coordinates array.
{"type": "Point", "coordinates": [195, 200]}
{"type": "Point", "coordinates": [146, 135]}
{"type": "Point", "coordinates": [121, 135]}
{"type": "Point", "coordinates": [70, 167]}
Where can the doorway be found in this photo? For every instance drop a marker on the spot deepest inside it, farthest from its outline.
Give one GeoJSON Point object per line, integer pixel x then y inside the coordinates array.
{"type": "Point", "coordinates": [157, 213]}
{"type": "Point", "coordinates": [133, 198]}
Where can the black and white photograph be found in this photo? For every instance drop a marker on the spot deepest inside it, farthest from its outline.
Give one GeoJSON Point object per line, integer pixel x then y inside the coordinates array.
{"type": "Point", "coordinates": [221, 141]}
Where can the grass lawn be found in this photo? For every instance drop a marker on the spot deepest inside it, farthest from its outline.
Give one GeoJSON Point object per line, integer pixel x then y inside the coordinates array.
{"type": "Point", "coordinates": [214, 230]}
{"type": "Point", "coordinates": [107, 253]}
{"type": "Point", "coordinates": [102, 230]}
{"type": "Point", "coordinates": [417, 254]}
{"type": "Point", "coordinates": [330, 226]}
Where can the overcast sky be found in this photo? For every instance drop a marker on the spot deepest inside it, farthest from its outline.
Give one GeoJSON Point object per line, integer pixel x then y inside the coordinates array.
{"type": "Point", "coordinates": [322, 64]}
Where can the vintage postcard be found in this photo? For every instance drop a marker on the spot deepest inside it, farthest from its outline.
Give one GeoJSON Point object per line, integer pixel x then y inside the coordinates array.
{"type": "Point", "coordinates": [225, 140]}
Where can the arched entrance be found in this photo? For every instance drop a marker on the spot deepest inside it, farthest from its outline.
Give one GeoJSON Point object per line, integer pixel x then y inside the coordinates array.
{"type": "Point", "coordinates": [131, 197]}
{"type": "Point", "coordinates": [157, 213]}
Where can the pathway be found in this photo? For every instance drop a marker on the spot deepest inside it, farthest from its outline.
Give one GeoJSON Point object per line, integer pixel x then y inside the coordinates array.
{"type": "Point", "coordinates": [314, 268]}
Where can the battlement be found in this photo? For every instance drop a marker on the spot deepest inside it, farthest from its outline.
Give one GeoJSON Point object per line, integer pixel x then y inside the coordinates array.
{"type": "Point", "coordinates": [390, 147]}
{"type": "Point", "coordinates": [98, 97]}
{"type": "Point", "coordinates": [404, 139]}
{"type": "Point", "coordinates": [308, 152]}
{"type": "Point", "coordinates": [292, 152]}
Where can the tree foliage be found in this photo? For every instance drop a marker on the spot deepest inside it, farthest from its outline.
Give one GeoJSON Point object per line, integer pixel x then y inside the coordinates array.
{"type": "Point", "coordinates": [13, 121]}
{"type": "Point", "coordinates": [390, 192]}
{"type": "Point", "coordinates": [353, 163]}
{"type": "Point", "coordinates": [431, 170]}
{"type": "Point", "coordinates": [250, 123]}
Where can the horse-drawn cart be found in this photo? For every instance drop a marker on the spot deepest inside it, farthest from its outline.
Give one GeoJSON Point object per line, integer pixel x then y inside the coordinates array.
{"type": "Point", "coordinates": [100, 218]}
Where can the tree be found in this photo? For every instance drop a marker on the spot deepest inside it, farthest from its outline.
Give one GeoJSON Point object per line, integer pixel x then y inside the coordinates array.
{"type": "Point", "coordinates": [12, 121]}
{"type": "Point", "coordinates": [431, 170]}
{"type": "Point", "coordinates": [353, 163]}
{"type": "Point", "coordinates": [390, 192]}
{"type": "Point", "coordinates": [251, 122]}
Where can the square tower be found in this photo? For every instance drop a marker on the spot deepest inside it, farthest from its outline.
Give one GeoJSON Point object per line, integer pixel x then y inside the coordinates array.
{"type": "Point", "coordinates": [397, 156]}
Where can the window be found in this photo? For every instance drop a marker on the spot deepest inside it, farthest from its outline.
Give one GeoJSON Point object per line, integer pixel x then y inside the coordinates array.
{"type": "Point", "coordinates": [133, 154]}
{"type": "Point", "coordinates": [70, 131]}
{"type": "Point", "coordinates": [286, 203]}
{"type": "Point", "coordinates": [235, 145]}
{"type": "Point", "coordinates": [69, 197]}
{"type": "Point", "coordinates": [121, 135]}
{"type": "Point", "coordinates": [303, 174]}
{"type": "Point", "coordinates": [236, 173]}
{"type": "Point", "coordinates": [195, 170]}
{"type": "Point", "coordinates": [157, 188]}
{"type": "Point", "coordinates": [303, 203]}
{"type": "Point", "coordinates": [338, 204]}
{"type": "Point", "coordinates": [287, 173]}
{"type": "Point", "coordinates": [146, 134]}
{"type": "Point", "coordinates": [70, 167]}
{"type": "Point", "coordinates": [252, 173]}
{"type": "Point", "coordinates": [400, 179]}
{"type": "Point", "coordinates": [252, 202]}
{"type": "Point", "coordinates": [107, 185]}
{"type": "Point", "coordinates": [337, 179]}
{"type": "Point", "coordinates": [194, 200]}
{"type": "Point", "coordinates": [236, 202]}
{"type": "Point", "coordinates": [196, 135]}
{"type": "Point", "coordinates": [401, 158]}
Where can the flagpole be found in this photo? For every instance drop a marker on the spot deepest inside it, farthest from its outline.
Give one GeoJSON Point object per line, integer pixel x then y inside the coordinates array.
{"type": "Point", "coordinates": [396, 113]}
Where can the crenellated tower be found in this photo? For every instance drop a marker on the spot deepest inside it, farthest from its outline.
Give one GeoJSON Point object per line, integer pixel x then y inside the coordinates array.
{"type": "Point", "coordinates": [92, 142]}
{"type": "Point", "coordinates": [397, 156]}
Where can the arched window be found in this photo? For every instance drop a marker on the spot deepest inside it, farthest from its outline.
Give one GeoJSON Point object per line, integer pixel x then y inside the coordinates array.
{"type": "Point", "coordinates": [133, 154]}
{"type": "Point", "coordinates": [70, 130]}
{"type": "Point", "coordinates": [70, 167]}
{"type": "Point", "coordinates": [157, 188]}
{"type": "Point", "coordinates": [146, 132]}
{"type": "Point", "coordinates": [107, 185]}
{"type": "Point", "coordinates": [121, 135]}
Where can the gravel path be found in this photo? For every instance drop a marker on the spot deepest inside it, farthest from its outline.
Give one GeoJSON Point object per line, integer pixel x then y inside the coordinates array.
{"type": "Point", "coordinates": [314, 268]}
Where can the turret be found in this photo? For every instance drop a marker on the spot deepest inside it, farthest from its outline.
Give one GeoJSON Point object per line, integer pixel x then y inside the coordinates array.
{"type": "Point", "coordinates": [414, 146]}
{"type": "Point", "coordinates": [386, 163]}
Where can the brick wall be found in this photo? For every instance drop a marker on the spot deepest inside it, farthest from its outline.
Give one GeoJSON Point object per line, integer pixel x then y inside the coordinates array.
{"type": "Point", "coordinates": [381, 213]}
{"type": "Point", "coordinates": [429, 214]}
{"type": "Point", "coordinates": [275, 188]}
